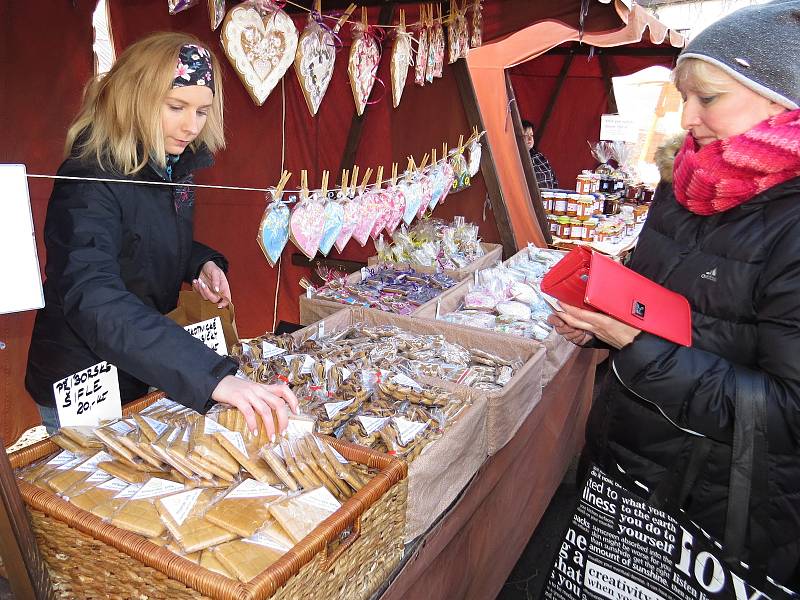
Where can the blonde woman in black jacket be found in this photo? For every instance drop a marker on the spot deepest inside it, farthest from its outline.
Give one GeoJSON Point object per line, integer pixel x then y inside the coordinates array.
{"type": "Point", "coordinates": [118, 252]}
{"type": "Point", "coordinates": [724, 231]}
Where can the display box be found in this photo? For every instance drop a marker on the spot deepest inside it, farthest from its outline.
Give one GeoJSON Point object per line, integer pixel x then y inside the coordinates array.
{"type": "Point", "coordinates": [492, 253]}
{"type": "Point", "coordinates": [349, 555]}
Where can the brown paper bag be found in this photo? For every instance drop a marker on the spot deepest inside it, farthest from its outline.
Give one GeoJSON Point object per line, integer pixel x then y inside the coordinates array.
{"type": "Point", "coordinates": [192, 308]}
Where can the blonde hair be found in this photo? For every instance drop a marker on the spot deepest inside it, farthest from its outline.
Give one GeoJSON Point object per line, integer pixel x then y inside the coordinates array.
{"type": "Point", "coordinates": [119, 122]}
{"type": "Point", "coordinates": [702, 77]}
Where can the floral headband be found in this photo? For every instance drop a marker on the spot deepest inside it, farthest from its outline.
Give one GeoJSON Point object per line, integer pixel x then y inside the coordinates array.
{"type": "Point", "coordinates": [194, 67]}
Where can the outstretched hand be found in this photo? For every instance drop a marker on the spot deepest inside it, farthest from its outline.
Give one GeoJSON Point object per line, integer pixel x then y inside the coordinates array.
{"type": "Point", "coordinates": [579, 326]}
{"type": "Point", "coordinates": [212, 284]}
{"type": "Point", "coordinates": [256, 400]}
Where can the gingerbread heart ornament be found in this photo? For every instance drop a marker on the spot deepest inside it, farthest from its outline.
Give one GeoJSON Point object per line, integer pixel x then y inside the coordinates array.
{"type": "Point", "coordinates": [260, 42]}
{"type": "Point", "coordinates": [216, 13]}
{"type": "Point", "coordinates": [316, 55]}
{"type": "Point", "coordinates": [426, 191]}
{"type": "Point", "coordinates": [411, 191]}
{"type": "Point", "coordinates": [363, 66]}
{"type": "Point", "coordinates": [383, 212]}
{"type": "Point", "coordinates": [368, 215]}
{"type": "Point", "coordinates": [396, 200]}
{"type": "Point", "coordinates": [307, 226]}
{"type": "Point", "coordinates": [401, 61]}
{"type": "Point", "coordinates": [273, 232]}
{"type": "Point", "coordinates": [352, 217]}
{"type": "Point", "coordinates": [334, 219]}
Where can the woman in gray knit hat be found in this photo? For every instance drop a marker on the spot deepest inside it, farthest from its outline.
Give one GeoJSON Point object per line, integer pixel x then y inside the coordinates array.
{"type": "Point", "coordinates": [724, 231]}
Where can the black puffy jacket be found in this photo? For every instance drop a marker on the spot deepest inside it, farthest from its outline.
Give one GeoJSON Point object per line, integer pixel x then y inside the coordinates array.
{"type": "Point", "coordinates": [740, 271]}
{"type": "Point", "coordinates": [117, 254]}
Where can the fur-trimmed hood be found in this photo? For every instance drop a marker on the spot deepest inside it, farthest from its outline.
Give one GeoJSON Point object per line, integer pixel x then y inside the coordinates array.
{"type": "Point", "coordinates": [665, 156]}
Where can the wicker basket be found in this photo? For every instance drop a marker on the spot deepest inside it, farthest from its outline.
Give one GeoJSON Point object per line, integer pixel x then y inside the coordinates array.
{"type": "Point", "coordinates": [88, 558]}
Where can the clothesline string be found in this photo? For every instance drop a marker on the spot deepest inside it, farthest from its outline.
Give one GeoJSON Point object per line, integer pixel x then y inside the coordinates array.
{"type": "Point", "coordinates": [445, 17]}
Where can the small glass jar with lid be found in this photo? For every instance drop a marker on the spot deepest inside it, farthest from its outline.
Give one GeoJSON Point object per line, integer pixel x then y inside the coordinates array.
{"type": "Point", "coordinates": [576, 229]}
{"type": "Point", "coordinates": [547, 201]}
{"type": "Point", "coordinates": [586, 206]}
{"type": "Point", "coordinates": [564, 227]}
{"type": "Point", "coordinates": [572, 205]}
{"type": "Point", "coordinates": [560, 204]}
{"type": "Point", "coordinates": [590, 230]}
{"type": "Point", "coordinates": [552, 222]}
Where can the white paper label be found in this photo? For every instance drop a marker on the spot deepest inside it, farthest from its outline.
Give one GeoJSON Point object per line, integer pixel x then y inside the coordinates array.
{"type": "Point", "coordinates": [328, 366]}
{"type": "Point", "coordinates": [159, 405]}
{"type": "Point", "coordinates": [299, 427]}
{"type": "Point", "coordinates": [265, 539]}
{"type": "Point", "coordinates": [401, 379]}
{"type": "Point", "coordinates": [157, 426]}
{"type": "Point", "coordinates": [130, 490]}
{"type": "Point", "coordinates": [320, 498]}
{"type": "Point", "coordinates": [288, 358]}
{"type": "Point", "coordinates": [121, 427]}
{"type": "Point", "coordinates": [68, 466]}
{"type": "Point", "coordinates": [334, 408]}
{"type": "Point", "coordinates": [91, 465]}
{"type": "Point", "coordinates": [346, 373]}
{"type": "Point", "coordinates": [173, 436]}
{"type": "Point", "coordinates": [61, 458]}
{"type": "Point", "coordinates": [338, 456]}
{"type": "Point", "coordinates": [180, 505]}
{"type": "Point", "coordinates": [157, 487]}
{"type": "Point", "coordinates": [114, 484]}
{"type": "Point", "coordinates": [408, 430]}
{"type": "Point", "coordinates": [269, 350]}
{"type": "Point", "coordinates": [320, 330]}
{"type": "Point", "coordinates": [308, 365]}
{"type": "Point", "coordinates": [250, 488]}
{"type": "Point", "coordinates": [89, 396]}
{"type": "Point", "coordinates": [236, 439]}
{"type": "Point", "coordinates": [210, 333]}
{"type": "Point", "coordinates": [372, 424]}
{"type": "Point", "coordinates": [212, 427]}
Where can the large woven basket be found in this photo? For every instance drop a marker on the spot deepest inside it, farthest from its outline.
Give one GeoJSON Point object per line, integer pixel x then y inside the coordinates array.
{"type": "Point", "coordinates": [347, 556]}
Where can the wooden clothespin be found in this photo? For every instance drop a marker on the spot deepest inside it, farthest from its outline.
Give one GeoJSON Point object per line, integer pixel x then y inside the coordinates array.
{"type": "Point", "coordinates": [379, 177]}
{"type": "Point", "coordinates": [354, 180]}
{"type": "Point", "coordinates": [285, 176]}
{"type": "Point", "coordinates": [424, 161]}
{"type": "Point", "coordinates": [402, 19]}
{"type": "Point", "coordinates": [345, 178]}
{"type": "Point", "coordinates": [461, 143]}
{"type": "Point", "coordinates": [364, 17]}
{"type": "Point", "coordinates": [433, 156]}
{"type": "Point", "coordinates": [344, 18]}
{"type": "Point", "coordinates": [411, 164]}
{"type": "Point", "coordinates": [304, 184]}
{"type": "Point", "coordinates": [444, 149]}
{"type": "Point", "coordinates": [325, 176]}
{"type": "Point", "coordinates": [365, 181]}
{"type": "Point", "coordinates": [394, 174]}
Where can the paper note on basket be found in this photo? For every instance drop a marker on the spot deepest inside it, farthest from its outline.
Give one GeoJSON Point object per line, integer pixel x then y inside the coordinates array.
{"type": "Point", "coordinates": [210, 333]}
{"type": "Point", "coordinates": [89, 396]}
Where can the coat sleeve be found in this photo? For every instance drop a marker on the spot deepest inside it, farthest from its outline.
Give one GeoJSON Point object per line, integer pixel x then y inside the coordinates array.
{"type": "Point", "coordinates": [697, 389]}
{"type": "Point", "coordinates": [83, 236]}
{"type": "Point", "coordinates": [201, 254]}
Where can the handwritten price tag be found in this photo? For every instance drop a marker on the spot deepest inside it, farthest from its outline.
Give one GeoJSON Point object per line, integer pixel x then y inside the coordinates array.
{"type": "Point", "coordinates": [89, 396]}
{"type": "Point", "coordinates": [210, 333]}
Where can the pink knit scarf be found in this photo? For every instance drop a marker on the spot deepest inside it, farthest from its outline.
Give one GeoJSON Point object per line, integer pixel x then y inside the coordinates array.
{"type": "Point", "coordinates": [728, 172]}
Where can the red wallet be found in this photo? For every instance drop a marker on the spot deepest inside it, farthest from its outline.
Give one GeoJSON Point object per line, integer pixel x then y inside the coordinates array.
{"type": "Point", "coordinates": [593, 281]}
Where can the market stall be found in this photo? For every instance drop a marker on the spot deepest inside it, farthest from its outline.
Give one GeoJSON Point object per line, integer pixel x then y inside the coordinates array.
{"type": "Point", "coordinates": [513, 407]}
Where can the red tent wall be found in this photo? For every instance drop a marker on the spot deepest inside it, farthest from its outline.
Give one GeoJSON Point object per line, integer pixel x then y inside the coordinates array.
{"type": "Point", "coordinates": [575, 118]}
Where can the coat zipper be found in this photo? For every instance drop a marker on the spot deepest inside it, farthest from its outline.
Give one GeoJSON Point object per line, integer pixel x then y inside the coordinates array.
{"type": "Point", "coordinates": [689, 431]}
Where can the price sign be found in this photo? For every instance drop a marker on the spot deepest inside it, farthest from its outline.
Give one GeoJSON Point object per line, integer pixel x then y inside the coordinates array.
{"type": "Point", "coordinates": [616, 128]}
{"type": "Point", "coordinates": [89, 396]}
{"type": "Point", "coordinates": [210, 333]}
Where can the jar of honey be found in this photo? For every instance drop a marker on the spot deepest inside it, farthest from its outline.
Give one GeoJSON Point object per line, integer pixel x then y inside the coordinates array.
{"type": "Point", "coordinates": [572, 205]}
{"type": "Point", "coordinates": [584, 183]}
{"type": "Point", "coordinates": [552, 222]}
{"type": "Point", "coordinates": [576, 229]}
{"type": "Point", "coordinates": [590, 230]}
{"type": "Point", "coordinates": [586, 205]}
{"type": "Point", "coordinates": [564, 228]}
{"type": "Point", "coordinates": [559, 204]}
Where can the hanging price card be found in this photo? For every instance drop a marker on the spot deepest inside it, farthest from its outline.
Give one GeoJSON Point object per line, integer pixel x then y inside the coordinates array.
{"type": "Point", "coordinates": [210, 333]}
{"type": "Point", "coordinates": [89, 396]}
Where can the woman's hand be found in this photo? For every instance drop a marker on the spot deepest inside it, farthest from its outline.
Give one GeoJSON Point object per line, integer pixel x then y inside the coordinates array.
{"type": "Point", "coordinates": [212, 284]}
{"type": "Point", "coordinates": [577, 320]}
{"type": "Point", "coordinates": [257, 399]}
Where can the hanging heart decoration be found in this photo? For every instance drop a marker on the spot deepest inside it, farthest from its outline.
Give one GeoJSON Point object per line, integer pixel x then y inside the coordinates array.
{"type": "Point", "coordinates": [437, 185]}
{"type": "Point", "coordinates": [426, 191]}
{"type": "Point", "coordinates": [176, 6]}
{"type": "Point", "coordinates": [397, 204]}
{"type": "Point", "coordinates": [461, 178]}
{"type": "Point", "coordinates": [411, 192]}
{"type": "Point", "coordinates": [401, 60]}
{"type": "Point", "coordinates": [474, 161]}
{"type": "Point", "coordinates": [334, 219]}
{"type": "Point", "coordinates": [453, 37]}
{"type": "Point", "coordinates": [382, 212]}
{"type": "Point", "coordinates": [477, 25]}
{"type": "Point", "coordinates": [314, 62]}
{"type": "Point", "coordinates": [438, 49]}
{"type": "Point", "coordinates": [352, 217]}
{"type": "Point", "coordinates": [368, 215]}
{"type": "Point", "coordinates": [449, 177]}
{"type": "Point", "coordinates": [273, 232]}
{"type": "Point", "coordinates": [365, 55]}
{"type": "Point", "coordinates": [307, 226]}
{"type": "Point", "coordinates": [422, 57]}
{"type": "Point", "coordinates": [463, 32]}
{"type": "Point", "coordinates": [216, 13]}
{"type": "Point", "coordinates": [260, 41]}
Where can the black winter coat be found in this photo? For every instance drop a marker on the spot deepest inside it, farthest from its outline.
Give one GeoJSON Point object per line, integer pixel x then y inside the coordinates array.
{"type": "Point", "coordinates": [740, 271]}
{"type": "Point", "coordinates": [117, 254]}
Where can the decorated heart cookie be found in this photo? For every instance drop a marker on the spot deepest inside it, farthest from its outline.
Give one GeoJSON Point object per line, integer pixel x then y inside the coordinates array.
{"type": "Point", "coordinates": [426, 191]}
{"type": "Point", "coordinates": [365, 55]}
{"type": "Point", "coordinates": [396, 200]}
{"type": "Point", "coordinates": [401, 60]}
{"type": "Point", "coordinates": [216, 13]}
{"type": "Point", "coordinates": [411, 190]}
{"type": "Point", "coordinates": [476, 39]}
{"type": "Point", "coordinates": [273, 232]}
{"type": "Point", "coordinates": [449, 177]}
{"type": "Point", "coordinates": [368, 215]}
{"type": "Point", "coordinates": [260, 41]}
{"type": "Point", "coordinates": [334, 219]}
{"type": "Point", "coordinates": [422, 57]}
{"type": "Point", "coordinates": [438, 45]}
{"type": "Point", "coordinates": [474, 161]}
{"type": "Point", "coordinates": [307, 226]}
{"type": "Point", "coordinates": [316, 54]}
{"type": "Point", "coordinates": [437, 185]}
{"type": "Point", "coordinates": [352, 217]}
{"type": "Point", "coordinates": [383, 211]}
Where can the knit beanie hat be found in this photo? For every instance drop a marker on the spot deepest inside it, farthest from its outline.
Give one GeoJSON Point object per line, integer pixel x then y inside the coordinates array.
{"type": "Point", "coordinates": [759, 46]}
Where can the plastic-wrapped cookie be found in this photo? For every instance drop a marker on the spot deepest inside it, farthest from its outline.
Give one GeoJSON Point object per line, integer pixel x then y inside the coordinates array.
{"type": "Point", "coordinates": [518, 310]}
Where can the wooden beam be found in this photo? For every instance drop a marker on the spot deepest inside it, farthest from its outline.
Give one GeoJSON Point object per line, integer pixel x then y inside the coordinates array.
{"type": "Point", "coordinates": [357, 124]}
{"type": "Point", "coordinates": [527, 164]}
{"type": "Point", "coordinates": [495, 191]}
{"type": "Point", "coordinates": [605, 70]}
{"type": "Point", "coordinates": [664, 50]}
{"type": "Point", "coordinates": [26, 571]}
{"type": "Point", "coordinates": [562, 76]}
